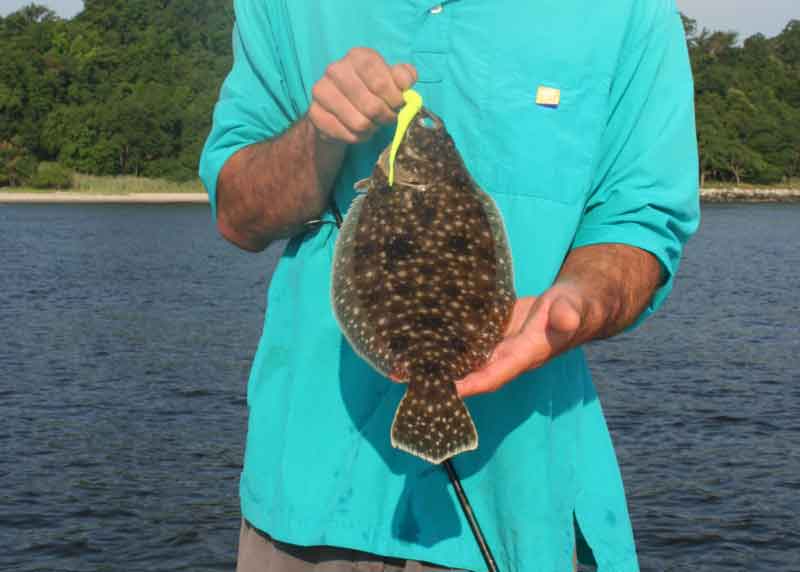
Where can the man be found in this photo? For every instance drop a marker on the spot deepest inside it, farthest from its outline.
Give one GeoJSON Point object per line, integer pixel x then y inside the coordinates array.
{"type": "Point", "coordinates": [577, 117]}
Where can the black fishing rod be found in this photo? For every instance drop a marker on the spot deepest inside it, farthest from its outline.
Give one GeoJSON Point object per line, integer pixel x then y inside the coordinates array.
{"type": "Point", "coordinates": [466, 508]}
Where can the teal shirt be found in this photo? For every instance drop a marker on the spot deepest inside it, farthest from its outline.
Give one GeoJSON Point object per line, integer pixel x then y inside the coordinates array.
{"type": "Point", "coordinates": [615, 161]}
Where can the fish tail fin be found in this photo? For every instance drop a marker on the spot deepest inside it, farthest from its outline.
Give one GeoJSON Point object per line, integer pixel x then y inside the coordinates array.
{"type": "Point", "coordinates": [432, 421]}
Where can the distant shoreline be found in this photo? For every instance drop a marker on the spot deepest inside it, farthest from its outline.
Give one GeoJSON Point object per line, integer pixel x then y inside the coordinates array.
{"type": "Point", "coordinates": [722, 195]}
{"type": "Point", "coordinates": [744, 195]}
{"type": "Point", "coordinates": [72, 197]}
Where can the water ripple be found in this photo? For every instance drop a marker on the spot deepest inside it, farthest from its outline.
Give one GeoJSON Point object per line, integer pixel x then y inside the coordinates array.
{"type": "Point", "coordinates": [122, 393]}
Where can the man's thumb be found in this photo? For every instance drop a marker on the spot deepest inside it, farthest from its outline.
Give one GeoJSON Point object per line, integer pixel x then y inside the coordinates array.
{"type": "Point", "coordinates": [565, 317]}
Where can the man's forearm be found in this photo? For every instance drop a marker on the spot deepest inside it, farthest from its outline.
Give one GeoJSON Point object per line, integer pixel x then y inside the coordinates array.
{"type": "Point", "coordinates": [267, 191]}
{"type": "Point", "coordinates": [616, 282]}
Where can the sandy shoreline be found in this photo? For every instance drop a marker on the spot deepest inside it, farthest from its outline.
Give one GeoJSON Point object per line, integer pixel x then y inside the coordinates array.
{"type": "Point", "coordinates": [739, 195]}
{"type": "Point", "coordinates": [69, 197]}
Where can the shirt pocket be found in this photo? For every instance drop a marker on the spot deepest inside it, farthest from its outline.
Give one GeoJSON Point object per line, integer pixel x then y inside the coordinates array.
{"type": "Point", "coordinates": [544, 149]}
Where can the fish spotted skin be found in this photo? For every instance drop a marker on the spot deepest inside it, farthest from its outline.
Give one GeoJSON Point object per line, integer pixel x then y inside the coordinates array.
{"type": "Point", "coordinates": [422, 285]}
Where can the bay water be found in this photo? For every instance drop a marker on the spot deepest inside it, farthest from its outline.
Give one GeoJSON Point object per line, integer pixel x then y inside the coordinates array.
{"type": "Point", "coordinates": [127, 334]}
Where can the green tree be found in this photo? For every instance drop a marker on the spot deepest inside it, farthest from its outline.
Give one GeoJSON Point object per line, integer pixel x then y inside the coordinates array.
{"type": "Point", "coordinates": [748, 101]}
{"type": "Point", "coordinates": [17, 164]}
{"type": "Point", "coordinates": [128, 86]}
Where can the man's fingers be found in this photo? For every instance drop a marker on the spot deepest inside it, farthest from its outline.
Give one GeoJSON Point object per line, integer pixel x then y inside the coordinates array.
{"type": "Point", "coordinates": [539, 329]}
{"type": "Point", "coordinates": [327, 94]}
{"type": "Point", "coordinates": [386, 82]}
{"type": "Point", "coordinates": [377, 77]}
{"type": "Point", "coordinates": [512, 357]}
{"type": "Point", "coordinates": [352, 86]}
{"type": "Point", "coordinates": [328, 125]}
{"type": "Point", "coordinates": [519, 315]}
{"type": "Point", "coordinates": [404, 75]}
{"type": "Point", "coordinates": [359, 93]}
{"type": "Point", "coordinates": [509, 362]}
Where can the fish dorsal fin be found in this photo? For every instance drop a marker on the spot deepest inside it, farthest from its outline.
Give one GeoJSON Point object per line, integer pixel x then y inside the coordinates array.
{"type": "Point", "coordinates": [362, 186]}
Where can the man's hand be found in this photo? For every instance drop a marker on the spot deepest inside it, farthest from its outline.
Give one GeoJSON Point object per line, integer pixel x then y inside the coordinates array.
{"type": "Point", "coordinates": [358, 94]}
{"type": "Point", "coordinates": [600, 291]}
{"type": "Point", "coordinates": [269, 190]}
{"type": "Point", "coordinates": [540, 329]}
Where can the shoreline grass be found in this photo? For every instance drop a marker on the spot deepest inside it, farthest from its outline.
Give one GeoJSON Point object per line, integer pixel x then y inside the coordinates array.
{"type": "Point", "coordinates": [790, 185]}
{"type": "Point", "coordinates": [122, 185]}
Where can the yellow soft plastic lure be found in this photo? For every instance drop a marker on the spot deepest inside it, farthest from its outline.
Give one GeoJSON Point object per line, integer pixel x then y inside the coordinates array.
{"type": "Point", "coordinates": [410, 109]}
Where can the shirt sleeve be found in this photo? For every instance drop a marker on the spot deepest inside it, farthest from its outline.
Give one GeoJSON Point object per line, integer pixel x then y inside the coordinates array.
{"type": "Point", "coordinates": [645, 192]}
{"type": "Point", "coordinates": [254, 102]}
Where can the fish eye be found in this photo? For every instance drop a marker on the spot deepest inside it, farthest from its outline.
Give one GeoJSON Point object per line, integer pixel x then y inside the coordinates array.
{"type": "Point", "coordinates": [427, 122]}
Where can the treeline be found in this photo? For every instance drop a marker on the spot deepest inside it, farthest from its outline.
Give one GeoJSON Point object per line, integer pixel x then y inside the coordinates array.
{"type": "Point", "coordinates": [127, 88]}
{"type": "Point", "coordinates": [748, 104]}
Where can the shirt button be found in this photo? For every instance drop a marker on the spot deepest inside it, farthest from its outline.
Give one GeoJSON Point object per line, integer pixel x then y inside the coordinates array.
{"type": "Point", "coordinates": [437, 9]}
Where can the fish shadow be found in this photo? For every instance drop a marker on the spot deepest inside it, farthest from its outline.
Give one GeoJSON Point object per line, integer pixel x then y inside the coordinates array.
{"type": "Point", "coordinates": [371, 401]}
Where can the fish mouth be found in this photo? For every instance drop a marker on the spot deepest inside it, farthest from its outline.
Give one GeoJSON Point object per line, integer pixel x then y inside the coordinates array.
{"type": "Point", "coordinates": [403, 177]}
{"type": "Point", "coordinates": [424, 119]}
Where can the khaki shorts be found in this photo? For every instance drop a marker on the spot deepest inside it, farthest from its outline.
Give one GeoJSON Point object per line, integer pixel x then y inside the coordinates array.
{"type": "Point", "coordinates": [260, 553]}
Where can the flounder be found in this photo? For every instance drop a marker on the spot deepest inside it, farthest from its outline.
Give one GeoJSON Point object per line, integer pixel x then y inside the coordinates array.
{"type": "Point", "coordinates": [422, 284]}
